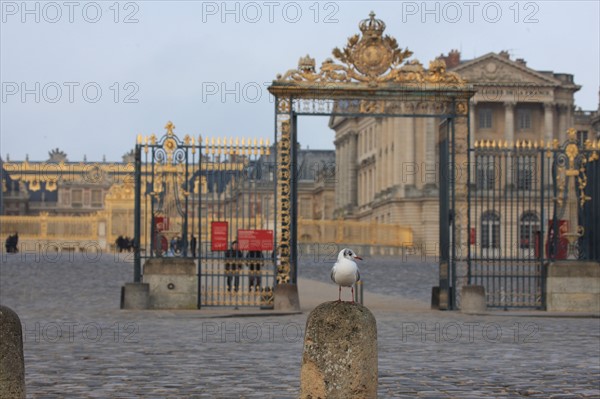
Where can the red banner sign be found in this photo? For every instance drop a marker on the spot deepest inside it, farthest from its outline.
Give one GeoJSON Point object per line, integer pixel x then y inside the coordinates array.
{"type": "Point", "coordinates": [255, 240]}
{"type": "Point", "coordinates": [218, 236]}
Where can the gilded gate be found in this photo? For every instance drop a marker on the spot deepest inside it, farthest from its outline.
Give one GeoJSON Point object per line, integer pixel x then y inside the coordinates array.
{"type": "Point", "coordinates": [207, 200]}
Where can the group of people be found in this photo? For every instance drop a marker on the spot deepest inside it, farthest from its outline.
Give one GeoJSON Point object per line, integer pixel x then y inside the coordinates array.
{"type": "Point", "coordinates": [124, 244]}
{"type": "Point", "coordinates": [234, 264]}
{"type": "Point", "coordinates": [11, 243]}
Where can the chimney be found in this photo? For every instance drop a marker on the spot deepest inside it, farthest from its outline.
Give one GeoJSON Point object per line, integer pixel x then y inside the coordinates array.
{"type": "Point", "coordinates": [452, 59]}
{"type": "Point", "coordinates": [521, 61]}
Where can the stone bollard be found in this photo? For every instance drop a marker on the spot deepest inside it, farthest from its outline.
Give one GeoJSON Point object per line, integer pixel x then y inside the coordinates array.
{"type": "Point", "coordinates": [12, 362]}
{"type": "Point", "coordinates": [135, 296]}
{"type": "Point", "coordinates": [472, 299]}
{"type": "Point", "coordinates": [340, 353]}
{"type": "Point", "coordinates": [286, 298]}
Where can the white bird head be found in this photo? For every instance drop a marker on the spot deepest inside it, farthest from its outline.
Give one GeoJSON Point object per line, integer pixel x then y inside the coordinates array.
{"type": "Point", "coordinates": [348, 254]}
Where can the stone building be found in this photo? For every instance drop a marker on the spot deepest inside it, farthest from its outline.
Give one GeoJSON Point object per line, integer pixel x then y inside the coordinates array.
{"type": "Point", "coordinates": [388, 167]}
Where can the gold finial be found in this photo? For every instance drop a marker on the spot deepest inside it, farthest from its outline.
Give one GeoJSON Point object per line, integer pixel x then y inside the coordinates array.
{"type": "Point", "coordinates": [139, 139]}
{"type": "Point", "coordinates": [186, 139]}
{"type": "Point", "coordinates": [572, 134]}
{"type": "Point", "coordinates": [169, 126]}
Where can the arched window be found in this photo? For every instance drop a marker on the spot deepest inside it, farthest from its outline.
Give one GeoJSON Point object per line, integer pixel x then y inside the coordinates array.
{"type": "Point", "coordinates": [529, 225]}
{"type": "Point", "coordinates": [490, 230]}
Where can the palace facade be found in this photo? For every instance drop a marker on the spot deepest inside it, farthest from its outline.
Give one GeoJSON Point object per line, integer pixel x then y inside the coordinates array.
{"type": "Point", "coordinates": [388, 167]}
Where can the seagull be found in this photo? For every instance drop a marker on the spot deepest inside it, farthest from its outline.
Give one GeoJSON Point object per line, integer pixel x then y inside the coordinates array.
{"type": "Point", "coordinates": [345, 271]}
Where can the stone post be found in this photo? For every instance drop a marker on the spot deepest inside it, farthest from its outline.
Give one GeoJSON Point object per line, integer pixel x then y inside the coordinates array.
{"type": "Point", "coordinates": [12, 362]}
{"type": "Point", "coordinates": [340, 353]}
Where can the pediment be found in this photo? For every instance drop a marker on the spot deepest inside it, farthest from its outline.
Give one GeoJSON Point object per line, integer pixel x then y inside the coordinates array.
{"type": "Point", "coordinates": [495, 69]}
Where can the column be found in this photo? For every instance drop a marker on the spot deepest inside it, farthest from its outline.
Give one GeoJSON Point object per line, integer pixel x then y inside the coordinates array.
{"type": "Point", "coordinates": [352, 167]}
{"type": "Point", "coordinates": [339, 168]}
{"type": "Point", "coordinates": [509, 135]}
{"type": "Point", "coordinates": [409, 151]}
{"type": "Point", "coordinates": [562, 122]}
{"type": "Point", "coordinates": [548, 122]}
{"type": "Point", "coordinates": [430, 161]}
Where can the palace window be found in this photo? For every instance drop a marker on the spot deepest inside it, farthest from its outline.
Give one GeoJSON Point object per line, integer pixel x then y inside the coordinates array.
{"type": "Point", "coordinates": [529, 226]}
{"type": "Point", "coordinates": [76, 198]}
{"type": "Point", "coordinates": [96, 198]}
{"type": "Point", "coordinates": [486, 173]}
{"type": "Point", "coordinates": [490, 230]}
{"type": "Point", "coordinates": [485, 118]}
{"type": "Point", "coordinates": [582, 136]}
{"type": "Point", "coordinates": [524, 119]}
{"type": "Point", "coordinates": [525, 170]}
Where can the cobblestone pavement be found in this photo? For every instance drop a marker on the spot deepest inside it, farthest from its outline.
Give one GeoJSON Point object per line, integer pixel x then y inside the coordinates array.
{"type": "Point", "coordinates": [78, 344]}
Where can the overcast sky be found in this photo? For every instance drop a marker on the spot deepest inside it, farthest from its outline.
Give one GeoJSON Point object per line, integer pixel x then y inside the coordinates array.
{"type": "Point", "coordinates": [87, 77]}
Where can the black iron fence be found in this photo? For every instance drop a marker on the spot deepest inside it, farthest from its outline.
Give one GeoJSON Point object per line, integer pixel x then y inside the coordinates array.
{"type": "Point", "coordinates": [529, 204]}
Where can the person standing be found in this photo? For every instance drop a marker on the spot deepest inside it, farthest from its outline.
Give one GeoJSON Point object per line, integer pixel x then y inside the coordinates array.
{"type": "Point", "coordinates": [255, 260]}
{"type": "Point", "coordinates": [233, 265]}
{"type": "Point", "coordinates": [193, 243]}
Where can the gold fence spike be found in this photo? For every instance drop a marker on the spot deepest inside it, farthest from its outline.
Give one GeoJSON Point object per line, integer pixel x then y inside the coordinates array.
{"type": "Point", "coordinates": [139, 139]}
{"type": "Point", "coordinates": [476, 144]}
{"type": "Point", "coordinates": [555, 143]}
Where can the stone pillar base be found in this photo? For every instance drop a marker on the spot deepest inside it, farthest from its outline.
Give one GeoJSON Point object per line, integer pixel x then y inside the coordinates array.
{"type": "Point", "coordinates": [173, 283]}
{"type": "Point", "coordinates": [135, 296]}
{"type": "Point", "coordinates": [286, 298]}
{"type": "Point", "coordinates": [472, 299]}
{"type": "Point", "coordinates": [573, 286]}
{"type": "Point", "coordinates": [339, 359]}
{"type": "Point", "coordinates": [12, 361]}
